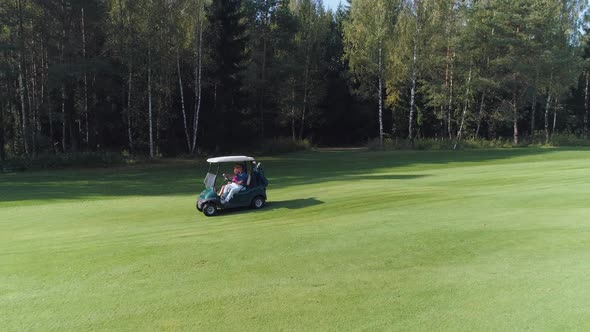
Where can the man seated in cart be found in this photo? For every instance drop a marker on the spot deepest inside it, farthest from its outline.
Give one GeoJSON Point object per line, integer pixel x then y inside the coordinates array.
{"type": "Point", "coordinates": [238, 183]}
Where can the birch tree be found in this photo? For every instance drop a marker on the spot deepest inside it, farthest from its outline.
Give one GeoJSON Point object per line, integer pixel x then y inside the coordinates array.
{"type": "Point", "coordinates": [366, 38]}
{"type": "Point", "coordinates": [199, 27]}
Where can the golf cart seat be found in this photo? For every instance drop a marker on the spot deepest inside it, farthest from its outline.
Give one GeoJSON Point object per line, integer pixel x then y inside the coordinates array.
{"type": "Point", "coordinates": [251, 183]}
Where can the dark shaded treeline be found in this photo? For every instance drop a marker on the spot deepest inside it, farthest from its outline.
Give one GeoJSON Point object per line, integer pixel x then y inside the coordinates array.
{"type": "Point", "coordinates": [170, 77]}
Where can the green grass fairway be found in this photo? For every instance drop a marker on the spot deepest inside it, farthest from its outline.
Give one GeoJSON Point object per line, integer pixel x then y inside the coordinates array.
{"type": "Point", "coordinates": [350, 240]}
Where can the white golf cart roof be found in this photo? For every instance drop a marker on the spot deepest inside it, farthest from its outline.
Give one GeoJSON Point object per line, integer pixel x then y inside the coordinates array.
{"type": "Point", "coordinates": [230, 159]}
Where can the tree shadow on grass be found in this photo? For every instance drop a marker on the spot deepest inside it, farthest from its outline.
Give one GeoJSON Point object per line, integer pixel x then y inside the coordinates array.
{"type": "Point", "coordinates": [284, 171]}
{"type": "Point", "coordinates": [384, 177]}
{"type": "Point", "coordinates": [317, 167]}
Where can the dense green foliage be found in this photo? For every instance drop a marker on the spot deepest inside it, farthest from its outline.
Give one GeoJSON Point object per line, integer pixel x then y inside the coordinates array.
{"type": "Point", "coordinates": [179, 77]}
{"type": "Point", "coordinates": [456, 241]}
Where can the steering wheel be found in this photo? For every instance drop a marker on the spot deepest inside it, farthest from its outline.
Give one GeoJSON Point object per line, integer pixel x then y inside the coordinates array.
{"type": "Point", "coordinates": [226, 178]}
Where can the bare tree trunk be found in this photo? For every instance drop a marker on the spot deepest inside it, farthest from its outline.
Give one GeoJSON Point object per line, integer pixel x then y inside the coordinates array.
{"type": "Point", "coordinates": [50, 111]}
{"type": "Point", "coordinates": [480, 113]}
{"type": "Point", "coordinates": [460, 132]}
{"type": "Point", "coordinates": [308, 42]}
{"type": "Point", "coordinates": [263, 89]}
{"type": "Point", "coordinates": [188, 140]}
{"type": "Point", "coordinates": [413, 91]}
{"type": "Point", "coordinates": [125, 29]}
{"type": "Point", "coordinates": [63, 89]}
{"type": "Point", "coordinates": [2, 141]}
{"type": "Point", "coordinates": [129, 124]}
{"type": "Point", "coordinates": [198, 76]}
{"type": "Point", "coordinates": [35, 104]}
{"type": "Point", "coordinates": [380, 96]}
{"type": "Point", "coordinates": [586, 109]}
{"type": "Point", "coordinates": [293, 110]}
{"type": "Point", "coordinates": [441, 125]}
{"type": "Point", "coordinates": [547, 107]}
{"type": "Point", "coordinates": [63, 114]}
{"type": "Point", "coordinates": [158, 122]}
{"type": "Point", "coordinates": [305, 81]}
{"type": "Point", "coordinates": [16, 142]}
{"type": "Point", "coordinates": [447, 70]}
{"type": "Point", "coordinates": [87, 136]}
{"type": "Point", "coordinates": [150, 101]}
{"type": "Point", "coordinates": [21, 92]}
{"type": "Point", "coordinates": [555, 117]}
{"type": "Point", "coordinates": [31, 111]}
{"type": "Point", "coordinates": [21, 68]}
{"type": "Point", "coordinates": [450, 106]}
{"type": "Point", "coordinates": [2, 124]}
{"type": "Point", "coordinates": [515, 118]}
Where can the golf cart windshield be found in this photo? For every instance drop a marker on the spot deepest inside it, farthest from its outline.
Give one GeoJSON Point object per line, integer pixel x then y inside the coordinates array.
{"type": "Point", "coordinates": [210, 180]}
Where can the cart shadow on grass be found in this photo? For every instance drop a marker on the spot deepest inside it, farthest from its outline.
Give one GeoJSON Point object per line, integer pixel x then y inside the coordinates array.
{"type": "Point", "coordinates": [272, 205]}
{"type": "Point", "coordinates": [293, 204]}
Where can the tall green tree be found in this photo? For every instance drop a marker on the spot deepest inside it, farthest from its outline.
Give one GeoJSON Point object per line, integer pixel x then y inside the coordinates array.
{"type": "Point", "coordinates": [367, 43]}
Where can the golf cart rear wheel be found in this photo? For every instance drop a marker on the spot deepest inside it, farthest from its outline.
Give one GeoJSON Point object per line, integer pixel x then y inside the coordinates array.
{"type": "Point", "coordinates": [209, 210]}
{"type": "Point", "coordinates": [258, 202]}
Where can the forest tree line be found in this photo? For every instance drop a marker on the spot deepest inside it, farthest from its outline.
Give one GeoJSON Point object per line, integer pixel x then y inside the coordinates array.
{"type": "Point", "coordinates": [170, 77]}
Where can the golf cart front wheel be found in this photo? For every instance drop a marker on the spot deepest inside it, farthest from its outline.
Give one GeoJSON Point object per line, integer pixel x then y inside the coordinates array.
{"type": "Point", "coordinates": [258, 202]}
{"type": "Point", "coordinates": [209, 210]}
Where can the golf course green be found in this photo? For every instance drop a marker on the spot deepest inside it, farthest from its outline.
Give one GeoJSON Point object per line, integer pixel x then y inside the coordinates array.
{"type": "Point", "coordinates": [492, 240]}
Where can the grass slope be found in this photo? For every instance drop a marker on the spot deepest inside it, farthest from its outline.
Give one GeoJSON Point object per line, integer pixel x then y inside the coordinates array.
{"type": "Point", "coordinates": [471, 240]}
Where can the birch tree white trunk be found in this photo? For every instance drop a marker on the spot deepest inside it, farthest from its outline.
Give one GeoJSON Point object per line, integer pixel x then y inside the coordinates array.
{"type": "Point", "coordinates": [28, 80]}
{"type": "Point", "coordinates": [21, 80]}
{"type": "Point", "coordinates": [2, 141]}
{"type": "Point", "coordinates": [188, 140]}
{"type": "Point", "coordinates": [586, 109]}
{"type": "Point", "coordinates": [450, 106]}
{"type": "Point", "coordinates": [460, 132]}
{"type": "Point", "coordinates": [514, 119]}
{"type": "Point", "coordinates": [413, 88]}
{"type": "Point", "coordinates": [446, 117]}
{"type": "Point", "coordinates": [17, 125]}
{"type": "Point", "coordinates": [21, 92]}
{"type": "Point", "coordinates": [129, 121]}
{"type": "Point", "coordinates": [49, 109]}
{"type": "Point", "coordinates": [555, 117]}
{"type": "Point", "coordinates": [35, 104]}
{"type": "Point", "coordinates": [547, 107]}
{"type": "Point", "coordinates": [150, 100]}
{"type": "Point", "coordinates": [380, 96]}
{"type": "Point", "coordinates": [87, 135]}
{"type": "Point", "coordinates": [198, 74]}
{"type": "Point", "coordinates": [263, 89]}
{"type": "Point", "coordinates": [63, 114]}
{"type": "Point", "coordinates": [293, 110]}
{"type": "Point", "coordinates": [480, 113]}
{"type": "Point", "coordinates": [305, 82]}
{"type": "Point", "coordinates": [63, 88]}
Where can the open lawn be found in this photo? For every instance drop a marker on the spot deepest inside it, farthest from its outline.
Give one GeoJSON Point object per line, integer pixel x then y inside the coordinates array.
{"type": "Point", "coordinates": [349, 240]}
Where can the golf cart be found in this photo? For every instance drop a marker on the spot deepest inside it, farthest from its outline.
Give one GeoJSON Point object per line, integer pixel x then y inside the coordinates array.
{"type": "Point", "coordinates": [253, 194]}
